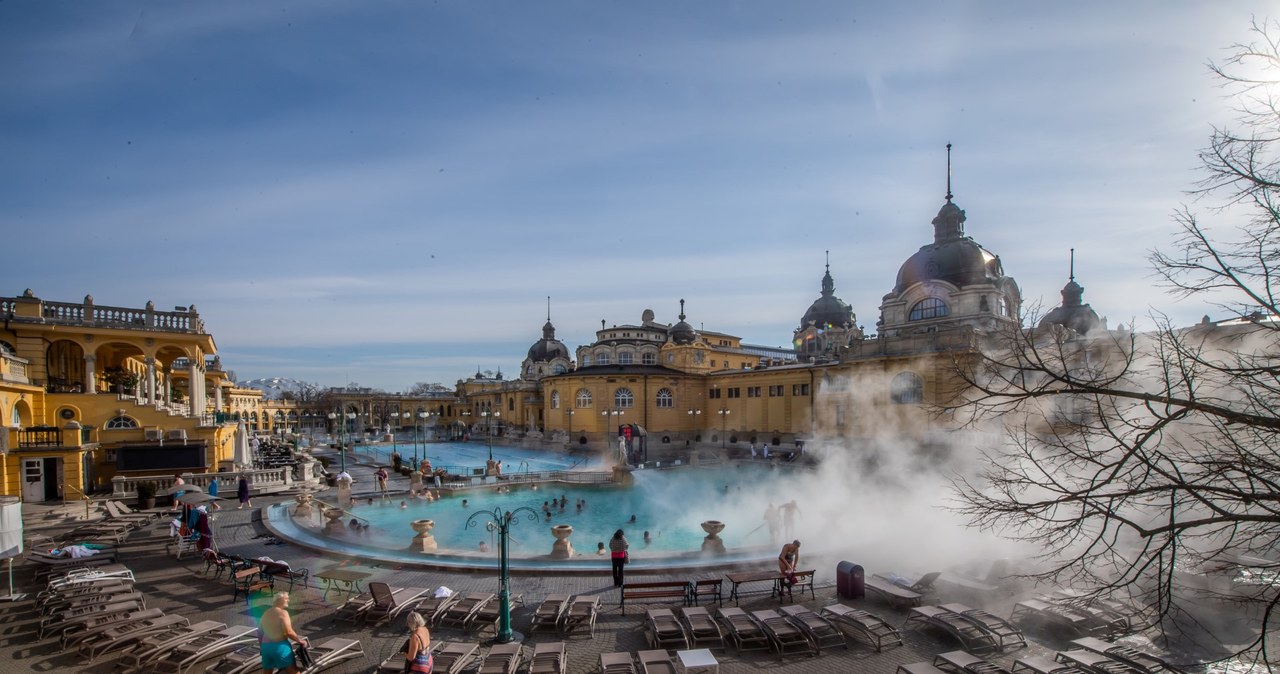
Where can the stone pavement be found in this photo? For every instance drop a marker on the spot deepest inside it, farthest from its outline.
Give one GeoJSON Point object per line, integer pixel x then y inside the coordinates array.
{"type": "Point", "coordinates": [180, 586]}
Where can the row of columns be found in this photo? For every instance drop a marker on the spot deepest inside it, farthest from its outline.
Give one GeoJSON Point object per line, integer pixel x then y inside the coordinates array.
{"type": "Point", "coordinates": [195, 373]}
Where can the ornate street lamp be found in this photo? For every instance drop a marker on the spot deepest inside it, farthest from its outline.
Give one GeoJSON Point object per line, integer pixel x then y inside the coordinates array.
{"type": "Point", "coordinates": [340, 420]}
{"type": "Point", "coordinates": [724, 424]}
{"type": "Point", "coordinates": [611, 417]}
{"type": "Point", "coordinates": [501, 522]}
{"type": "Point", "coordinates": [569, 413]}
{"type": "Point", "coordinates": [488, 428]}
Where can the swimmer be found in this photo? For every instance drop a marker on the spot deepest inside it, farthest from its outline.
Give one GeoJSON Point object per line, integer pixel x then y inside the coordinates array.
{"type": "Point", "coordinates": [632, 520]}
{"type": "Point", "coordinates": [464, 503]}
{"type": "Point", "coordinates": [404, 505]}
{"type": "Point", "coordinates": [484, 547]}
{"type": "Point", "coordinates": [647, 537]}
{"type": "Point", "coordinates": [548, 516]}
{"type": "Point", "coordinates": [600, 548]}
{"type": "Point", "coordinates": [370, 502]}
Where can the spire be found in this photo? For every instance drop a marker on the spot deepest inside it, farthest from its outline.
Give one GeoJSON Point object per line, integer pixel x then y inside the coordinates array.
{"type": "Point", "coordinates": [1072, 293]}
{"type": "Point", "coordinates": [1073, 265]}
{"type": "Point", "coordinates": [949, 195]}
{"type": "Point", "coordinates": [548, 308]}
{"type": "Point", "coordinates": [682, 309]}
{"type": "Point", "coordinates": [828, 284]}
{"type": "Point", "coordinates": [949, 224]}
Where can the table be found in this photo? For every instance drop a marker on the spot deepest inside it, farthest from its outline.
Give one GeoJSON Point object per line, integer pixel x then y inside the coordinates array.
{"type": "Point", "coordinates": [700, 659]}
{"type": "Point", "coordinates": [342, 580]}
{"type": "Point", "coordinates": [737, 579]}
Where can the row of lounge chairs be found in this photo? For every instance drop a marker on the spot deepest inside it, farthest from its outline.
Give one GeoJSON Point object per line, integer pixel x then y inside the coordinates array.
{"type": "Point", "coordinates": [977, 630]}
{"type": "Point", "coordinates": [1088, 655]}
{"type": "Point", "coordinates": [650, 662]}
{"type": "Point", "coordinates": [567, 614]}
{"type": "Point", "coordinates": [452, 657]}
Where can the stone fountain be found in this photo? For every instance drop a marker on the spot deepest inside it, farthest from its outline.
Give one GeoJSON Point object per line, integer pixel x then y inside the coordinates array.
{"type": "Point", "coordinates": [713, 544]}
{"type": "Point", "coordinates": [562, 549]}
{"type": "Point", "coordinates": [424, 541]}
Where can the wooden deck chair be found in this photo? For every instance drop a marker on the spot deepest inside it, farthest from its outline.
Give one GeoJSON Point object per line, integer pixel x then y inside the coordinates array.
{"type": "Point", "coordinates": [549, 658]}
{"type": "Point", "coordinates": [656, 662]}
{"type": "Point", "coordinates": [617, 663]}
{"type": "Point", "coordinates": [205, 647]}
{"type": "Point", "coordinates": [1006, 635]}
{"type": "Point", "coordinates": [433, 607]}
{"type": "Point", "coordinates": [451, 657]}
{"type": "Point", "coordinates": [971, 637]}
{"type": "Point", "coordinates": [744, 632]}
{"type": "Point", "coordinates": [663, 630]}
{"type": "Point", "coordinates": [582, 612]}
{"type": "Point", "coordinates": [868, 627]}
{"type": "Point", "coordinates": [821, 631]}
{"type": "Point", "coordinates": [70, 638]}
{"type": "Point", "coordinates": [785, 636]}
{"type": "Point", "coordinates": [146, 649]}
{"type": "Point", "coordinates": [389, 602]}
{"type": "Point", "coordinates": [1095, 663]}
{"type": "Point", "coordinates": [701, 627]}
{"type": "Point", "coordinates": [549, 612]}
{"type": "Point", "coordinates": [128, 633]}
{"type": "Point", "coordinates": [462, 610]}
{"type": "Point", "coordinates": [502, 659]}
{"type": "Point", "coordinates": [1038, 664]}
{"type": "Point", "coordinates": [1043, 612]}
{"type": "Point", "coordinates": [1128, 655]}
{"type": "Point", "coordinates": [962, 662]}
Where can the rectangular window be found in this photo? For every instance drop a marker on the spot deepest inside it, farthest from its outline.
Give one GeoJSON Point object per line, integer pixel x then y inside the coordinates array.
{"type": "Point", "coordinates": [799, 389]}
{"type": "Point", "coordinates": [649, 359]}
{"type": "Point", "coordinates": [624, 358]}
{"type": "Point", "coordinates": [753, 391]}
{"type": "Point", "coordinates": [775, 391]}
{"type": "Point", "coordinates": [714, 393]}
{"type": "Point", "coordinates": [713, 363]}
{"type": "Point", "coordinates": [735, 392]}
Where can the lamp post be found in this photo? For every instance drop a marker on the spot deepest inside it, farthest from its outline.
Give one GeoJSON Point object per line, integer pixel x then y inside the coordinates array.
{"type": "Point", "coordinates": [340, 420]}
{"type": "Point", "coordinates": [724, 424]}
{"type": "Point", "coordinates": [501, 522]}
{"type": "Point", "coordinates": [466, 423]}
{"type": "Point", "coordinates": [422, 417]}
{"type": "Point", "coordinates": [569, 413]}
{"type": "Point", "coordinates": [488, 428]}
{"type": "Point", "coordinates": [695, 414]}
{"type": "Point", "coordinates": [612, 416]}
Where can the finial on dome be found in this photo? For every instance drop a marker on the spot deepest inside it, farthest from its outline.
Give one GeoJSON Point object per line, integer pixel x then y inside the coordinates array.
{"type": "Point", "coordinates": [1073, 264]}
{"type": "Point", "coordinates": [682, 309]}
{"type": "Point", "coordinates": [828, 261]}
{"type": "Point", "coordinates": [548, 308]}
{"type": "Point", "coordinates": [949, 195]}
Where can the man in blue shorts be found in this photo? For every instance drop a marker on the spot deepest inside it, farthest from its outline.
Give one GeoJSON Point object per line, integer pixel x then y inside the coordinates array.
{"type": "Point", "coordinates": [278, 637]}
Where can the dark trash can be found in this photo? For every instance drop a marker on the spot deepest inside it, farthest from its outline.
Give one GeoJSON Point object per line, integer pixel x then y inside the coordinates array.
{"type": "Point", "coordinates": [850, 581]}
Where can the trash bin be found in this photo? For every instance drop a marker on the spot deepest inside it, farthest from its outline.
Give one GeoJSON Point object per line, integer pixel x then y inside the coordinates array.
{"type": "Point", "coordinates": [850, 581]}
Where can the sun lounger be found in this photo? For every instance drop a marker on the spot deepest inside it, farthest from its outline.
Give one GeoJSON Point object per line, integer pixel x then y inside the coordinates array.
{"type": "Point", "coordinates": [961, 662]}
{"type": "Point", "coordinates": [352, 610]}
{"type": "Point", "coordinates": [73, 618]}
{"type": "Point", "coordinates": [121, 512]}
{"type": "Point", "coordinates": [93, 649]}
{"type": "Point", "coordinates": [892, 594]}
{"type": "Point", "coordinates": [129, 632]}
{"type": "Point", "coordinates": [433, 607]}
{"type": "Point", "coordinates": [821, 632]}
{"type": "Point", "coordinates": [501, 659]}
{"type": "Point", "coordinates": [866, 626]}
{"type": "Point", "coordinates": [971, 637]}
{"type": "Point", "coordinates": [701, 627]}
{"type": "Point", "coordinates": [662, 630]}
{"type": "Point", "coordinates": [332, 651]}
{"type": "Point", "coordinates": [1096, 663]}
{"type": "Point", "coordinates": [144, 649]}
{"type": "Point", "coordinates": [1038, 664]}
{"type": "Point", "coordinates": [59, 605]}
{"type": "Point", "coordinates": [1006, 635]}
{"type": "Point", "coordinates": [549, 612]}
{"type": "Point", "coordinates": [489, 613]}
{"type": "Point", "coordinates": [549, 658]}
{"type": "Point", "coordinates": [78, 576]}
{"type": "Point", "coordinates": [394, 663]}
{"type": "Point", "coordinates": [582, 612]}
{"type": "Point", "coordinates": [656, 662]}
{"type": "Point", "coordinates": [617, 663]}
{"type": "Point", "coordinates": [784, 635]}
{"type": "Point", "coordinates": [1060, 616]}
{"type": "Point", "coordinates": [389, 602]}
{"type": "Point", "coordinates": [1132, 656]}
{"type": "Point", "coordinates": [451, 657]}
{"type": "Point", "coordinates": [87, 589]}
{"type": "Point", "coordinates": [462, 611]}
{"type": "Point", "coordinates": [918, 668]}
{"type": "Point", "coordinates": [922, 585]}
{"type": "Point", "coordinates": [205, 647]}
{"type": "Point", "coordinates": [1108, 623]}
{"type": "Point", "coordinates": [746, 633]}
{"type": "Point", "coordinates": [81, 632]}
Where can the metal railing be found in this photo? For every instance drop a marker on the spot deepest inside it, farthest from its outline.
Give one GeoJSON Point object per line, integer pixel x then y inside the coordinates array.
{"type": "Point", "coordinates": [88, 502]}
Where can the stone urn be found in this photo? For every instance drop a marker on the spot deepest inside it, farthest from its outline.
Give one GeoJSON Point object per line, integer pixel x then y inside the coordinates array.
{"type": "Point", "coordinates": [562, 549]}
{"type": "Point", "coordinates": [334, 525]}
{"type": "Point", "coordinates": [424, 541]}
{"type": "Point", "coordinates": [303, 509]}
{"type": "Point", "coordinates": [713, 543]}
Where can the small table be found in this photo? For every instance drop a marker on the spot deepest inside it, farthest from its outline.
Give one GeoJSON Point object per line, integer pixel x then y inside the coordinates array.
{"type": "Point", "coordinates": [699, 659]}
{"type": "Point", "coordinates": [342, 580]}
{"type": "Point", "coordinates": [737, 579]}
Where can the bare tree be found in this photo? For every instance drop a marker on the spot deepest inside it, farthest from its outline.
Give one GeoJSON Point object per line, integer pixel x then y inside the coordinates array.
{"type": "Point", "coordinates": [1150, 463]}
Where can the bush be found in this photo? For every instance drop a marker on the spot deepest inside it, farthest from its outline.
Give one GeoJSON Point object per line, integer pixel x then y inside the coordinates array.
{"type": "Point", "coordinates": [146, 490]}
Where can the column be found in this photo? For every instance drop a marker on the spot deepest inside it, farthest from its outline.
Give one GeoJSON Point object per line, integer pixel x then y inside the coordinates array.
{"type": "Point", "coordinates": [195, 382]}
{"type": "Point", "coordinates": [151, 380]}
{"type": "Point", "coordinates": [217, 399]}
{"type": "Point", "coordinates": [90, 376]}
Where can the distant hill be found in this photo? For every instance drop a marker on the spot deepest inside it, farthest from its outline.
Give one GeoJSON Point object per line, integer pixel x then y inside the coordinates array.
{"type": "Point", "coordinates": [274, 388]}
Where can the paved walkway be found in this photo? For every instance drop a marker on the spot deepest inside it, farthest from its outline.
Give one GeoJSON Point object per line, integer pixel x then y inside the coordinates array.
{"type": "Point", "coordinates": [181, 587]}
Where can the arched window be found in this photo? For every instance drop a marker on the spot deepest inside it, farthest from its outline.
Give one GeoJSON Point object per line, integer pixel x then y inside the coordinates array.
{"type": "Point", "coordinates": [558, 368]}
{"type": "Point", "coordinates": [121, 421]}
{"type": "Point", "coordinates": [623, 398]}
{"type": "Point", "coordinates": [665, 399]}
{"type": "Point", "coordinates": [930, 307]}
{"type": "Point", "coordinates": [555, 400]}
{"type": "Point", "coordinates": [907, 388]}
{"type": "Point", "coordinates": [584, 398]}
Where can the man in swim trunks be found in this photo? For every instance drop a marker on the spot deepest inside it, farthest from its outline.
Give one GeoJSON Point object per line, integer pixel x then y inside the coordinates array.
{"type": "Point", "coordinates": [278, 637]}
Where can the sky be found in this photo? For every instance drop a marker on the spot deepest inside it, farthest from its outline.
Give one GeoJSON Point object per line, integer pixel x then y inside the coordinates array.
{"type": "Point", "coordinates": [385, 193]}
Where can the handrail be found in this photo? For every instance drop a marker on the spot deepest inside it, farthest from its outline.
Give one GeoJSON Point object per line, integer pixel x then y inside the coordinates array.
{"type": "Point", "coordinates": [84, 496]}
{"type": "Point", "coordinates": [335, 507]}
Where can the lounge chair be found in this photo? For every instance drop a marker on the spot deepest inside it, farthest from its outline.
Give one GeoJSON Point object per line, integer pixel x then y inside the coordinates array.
{"type": "Point", "coordinates": [1096, 663]}
{"type": "Point", "coordinates": [891, 593]}
{"type": "Point", "coordinates": [121, 512]}
{"type": "Point", "coordinates": [74, 618]}
{"type": "Point", "coordinates": [1038, 664]}
{"type": "Point", "coordinates": [501, 659]}
{"type": "Point", "coordinates": [866, 626]}
{"type": "Point", "coordinates": [433, 607]}
{"type": "Point", "coordinates": [92, 630]}
{"type": "Point", "coordinates": [80, 575]}
{"type": "Point", "coordinates": [746, 633]}
{"type": "Point", "coordinates": [1043, 612]}
{"type": "Point", "coordinates": [617, 663]}
{"type": "Point", "coordinates": [205, 647]}
{"type": "Point", "coordinates": [1126, 654]}
{"type": "Point", "coordinates": [159, 633]}
{"type": "Point", "coordinates": [656, 662]}
{"type": "Point", "coordinates": [1108, 623]}
{"type": "Point", "coordinates": [61, 604]}
{"type": "Point", "coordinates": [784, 635]}
{"type": "Point", "coordinates": [394, 663]}
{"type": "Point", "coordinates": [451, 657]}
{"type": "Point", "coordinates": [821, 632]}
{"type": "Point", "coordinates": [489, 613]}
{"type": "Point", "coordinates": [389, 602]}
{"type": "Point", "coordinates": [961, 662]}
{"type": "Point", "coordinates": [971, 637]}
{"type": "Point", "coordinates": [352, 610]}
{"type": "Point", "coordinates": [701, 627]}
{"type": "Point", "coordinates": [332, 651]}
{"type": "Point", "coordinates": [1006, 635]}
{"type": "Point", "coordinates": [549, 658]}
{"type": "Point", "coordinates": [918, 668]}
{"type": "Point", "coordinates": [64, 594]}
{"type": "Point", "coordinates": [922, 585]}
{"type": "Point", "coordinates": [462, 611]}
{"type": "Point", "coordinates": [582, 612]}
{"type": "Point", "coordinates": [146, 649]}
{"type": "Point", "coordinates": [549, 612]}
{"type": "Point", "coordinates": [127, 632]}
{"type": "Point", "coordinates": [663, 630]}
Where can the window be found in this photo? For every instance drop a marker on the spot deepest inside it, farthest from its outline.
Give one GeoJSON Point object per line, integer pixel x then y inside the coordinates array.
{"type": "Point", "coordinates": [624, 358]}
{"type": "Point", "coordinates": [713, 362]}
{"type": "Point", "coordinates": [906, 388]}
{"type": "Point", "coordinates": [753, 391]}
{"type": "Point", "coordinates": [511, 404]}
{"type": "Point", "coordinates": [555, 400]}
{"type": "Point", "coordinates": [1002, 305]}
{"type": "Point", "coordinates": [713, 393]}
{"type": "Point", "coordinates": [775, 391]}
{"type": "Point", "coordinates": [623, 398]}
{"type": "Point", "coordinates": [735, 392]}
{"type": "Point", "coordinates": [930, 307]}
{"type": "Point", "coordinates": [665, 399]}
{"type": "Point", "coordinates": [839, 414]}
{"type": "Point", "coordinates": [649, 358]}
{"type": "Point", "coordinates": [584, 398]}
{"type": "Point", "coordinates": [602, 359]}
{"type": "Point", "coordinates": [799, 389]}
{"type": "Point", "coordinates": [586, 360]}
{"type": "Point", "coordinates": [558, 368]}
{"type": "Point", "coordinates": [121, 422]}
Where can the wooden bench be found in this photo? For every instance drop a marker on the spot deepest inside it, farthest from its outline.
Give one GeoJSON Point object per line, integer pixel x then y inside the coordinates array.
{"type": "Point", "coordinates": [655, 590]}
{"type": "Point", "coordinates": [248, 581]}
{"type": "Point", "coordinates": [707, 587]}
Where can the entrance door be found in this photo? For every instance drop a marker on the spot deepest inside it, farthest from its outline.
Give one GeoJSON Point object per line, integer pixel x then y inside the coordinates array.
{"type": "Point", "coordinates": [53, 478]}
{"type": "Point", "coordinates": [33, 480]}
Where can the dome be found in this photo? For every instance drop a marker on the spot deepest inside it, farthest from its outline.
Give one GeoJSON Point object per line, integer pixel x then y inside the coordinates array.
{"type": "Point", "coordinates": [827, 310]}
{"type": "Point", "coordinates": [1073, 313]}
{"type": "Point", "coordinates": [952, 257]}
{"type": "Point", "coordinates": [682, 333]}
{"type": "Point", "coordinates": [548, 347]}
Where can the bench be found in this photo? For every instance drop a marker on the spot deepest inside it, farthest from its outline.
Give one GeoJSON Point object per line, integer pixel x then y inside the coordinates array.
{"type": "Point", "coordinates": [655, 590]}
{"type": "Point", "coordinates": [707, 587]}
{"type": "Point", "coordinates": [249, 580]}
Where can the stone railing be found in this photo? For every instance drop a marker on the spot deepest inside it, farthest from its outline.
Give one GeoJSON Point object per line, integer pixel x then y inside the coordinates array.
{"type": "Point", "coordinates": [265, 481]}
{"type": "Point", "coordinates": [13, 369]}
{"type": "Point", "coordinates": [29, 308]}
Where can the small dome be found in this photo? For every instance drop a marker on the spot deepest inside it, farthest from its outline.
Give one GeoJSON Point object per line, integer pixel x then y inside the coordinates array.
{"type": "Point", "coordinates": [548, 347]}
{"type": "Point", "coordinates": [682, 333]}
{"type": "Point", "coordinates": [827, 310]}
{"type": "Point", "coordinates": [1073, 313]}
{"type": "Point", "coordinates": [952, 257]}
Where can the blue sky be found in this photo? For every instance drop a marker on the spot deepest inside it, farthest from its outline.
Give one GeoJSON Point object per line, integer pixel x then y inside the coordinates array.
{"type": "Point", "coordinates": [386, 192]}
